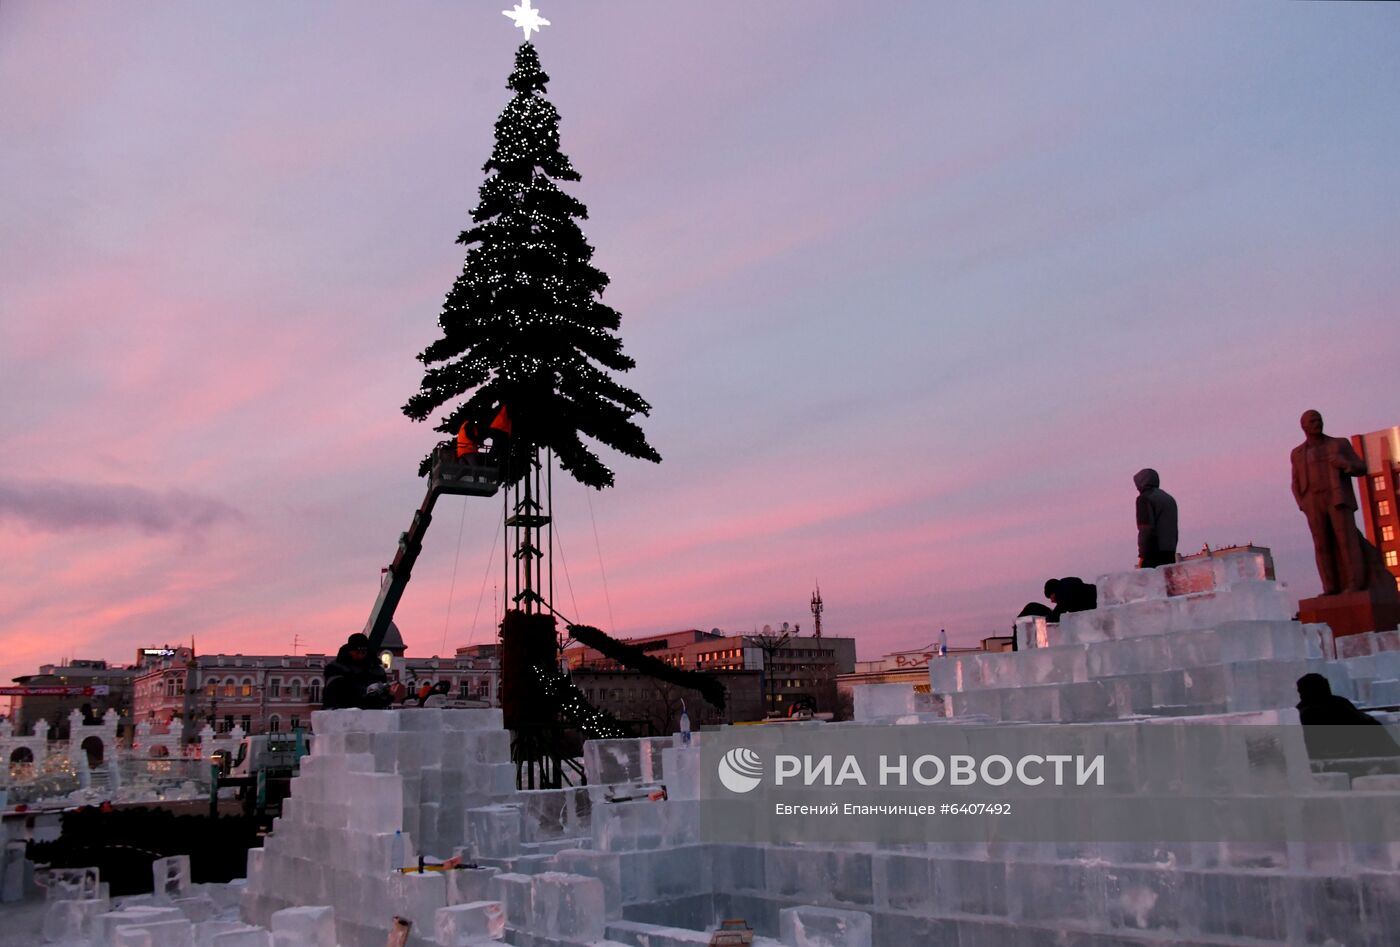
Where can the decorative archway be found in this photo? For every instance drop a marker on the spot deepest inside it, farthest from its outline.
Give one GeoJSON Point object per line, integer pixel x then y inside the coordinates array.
{"type": "Point", "coordinates": [93, 747]}
{"type": "Point", "coordinates": [88, 742]}
{"type": "Point", "coordinates": [21, 762]}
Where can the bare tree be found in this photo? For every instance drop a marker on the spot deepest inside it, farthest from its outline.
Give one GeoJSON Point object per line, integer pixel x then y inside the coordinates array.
{"type": "Point", "coordinates": [770, 643]}
{"type": "Point", "coordinates": [663, 711]}
{"type": "Point", "coordinates": [845, 704]}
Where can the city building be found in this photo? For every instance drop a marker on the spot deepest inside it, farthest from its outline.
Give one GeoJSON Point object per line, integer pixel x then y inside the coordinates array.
{"type": "Point", "coordinates": [1378, 499]}
{"type": "Point", "coordinates": [798, 671]}
{"type": "Point", "coordinates": [650, 706]}
{"type": "Point", "coordinates": [490, 652]}
{"type": "Point", "coordinates": [59, 689]}
{"type": "Point", "coordinates": [1208, 553]}
{"type": "Point", "coordinates": [174, 687]}
{"type": "Point", "coordinates": [259, 693]}
{"type": "Point", "coordinates": [468, 677]}
{"type": "Point", "coordinates": [392, 646]}
{"type": "Point", "coordinates": [909, 667]}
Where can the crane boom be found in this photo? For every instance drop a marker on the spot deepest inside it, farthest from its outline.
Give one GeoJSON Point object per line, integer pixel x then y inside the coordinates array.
{"type": "Point", "coordinates": [471, 474]}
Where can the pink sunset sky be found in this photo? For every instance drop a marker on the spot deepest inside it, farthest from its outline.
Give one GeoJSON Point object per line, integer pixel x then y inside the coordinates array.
{"type": "Point", "coordinates": [913, 290]}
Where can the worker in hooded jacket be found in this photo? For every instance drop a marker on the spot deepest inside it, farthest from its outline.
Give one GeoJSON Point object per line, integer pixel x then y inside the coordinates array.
{"type": "Point", "coordinates": [1156, 521]}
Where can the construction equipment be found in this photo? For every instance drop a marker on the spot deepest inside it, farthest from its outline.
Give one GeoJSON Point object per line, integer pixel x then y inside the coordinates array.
{"type": "Point", "coordinates": [262, 770]}
{"type": "Point", "coordinates": [473, 473]}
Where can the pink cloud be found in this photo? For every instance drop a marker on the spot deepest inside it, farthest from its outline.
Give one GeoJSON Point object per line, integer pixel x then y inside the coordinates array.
{"type": "Point", "coordinates": [68, 506]}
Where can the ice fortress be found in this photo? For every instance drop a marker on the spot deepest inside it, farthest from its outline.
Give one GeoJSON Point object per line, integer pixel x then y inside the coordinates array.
{"type": "Point", "coordinates": [1209, 640]}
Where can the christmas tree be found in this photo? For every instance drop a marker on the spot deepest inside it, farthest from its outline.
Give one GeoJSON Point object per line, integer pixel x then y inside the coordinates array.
{"type": "Point", "coordinates": [523, 327]}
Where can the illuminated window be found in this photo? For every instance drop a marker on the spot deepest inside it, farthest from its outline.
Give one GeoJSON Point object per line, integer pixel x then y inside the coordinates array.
{"type": "Point", "coordinates": [247, 688]}
{"type": "Point", "coordinates": [1387, 533]}
{"type": "Point", "coordinates": [1378, 482]}
{"type": "Point", "coordinates": [212, 688]}
{"type": "Point", "coordinates": [1383, 508]}
{"type": "Point", "coordinates": [229, 685]}
{"type": "Point", "coordinates": [1392, 558]}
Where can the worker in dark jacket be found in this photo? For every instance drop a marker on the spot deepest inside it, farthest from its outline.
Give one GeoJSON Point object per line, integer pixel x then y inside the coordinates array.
{"type": "Point", "coordinates": [354, 679]}
{"type": "Point", "coordinates": [1156, 521]}
{"type": "Point", "coordinates": [1070, 594]}
{"type": "Point", "coordinates": [1358, 734]}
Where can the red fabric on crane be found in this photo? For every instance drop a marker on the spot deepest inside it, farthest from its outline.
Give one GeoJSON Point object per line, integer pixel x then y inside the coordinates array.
{"type": "Point", "coordinates": [502, 422]}
{"type": "Point", "coordinates": [465, 445]}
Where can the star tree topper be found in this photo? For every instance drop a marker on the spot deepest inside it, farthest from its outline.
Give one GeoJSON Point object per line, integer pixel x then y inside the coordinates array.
{"type": "Point", "coordinates": [526, 17]}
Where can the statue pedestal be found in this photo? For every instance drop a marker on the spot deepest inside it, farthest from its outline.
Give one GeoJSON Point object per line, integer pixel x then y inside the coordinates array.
{"type": "Point", "coordinates": [1352, 613]}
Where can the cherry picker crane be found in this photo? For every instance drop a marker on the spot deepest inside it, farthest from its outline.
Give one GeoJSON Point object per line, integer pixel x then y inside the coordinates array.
{"type": "Point", "coordinates": [465, 473]}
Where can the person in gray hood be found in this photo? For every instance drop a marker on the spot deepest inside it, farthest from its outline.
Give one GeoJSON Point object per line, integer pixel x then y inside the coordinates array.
{"type": "Point", "coordinates": [1156, 521]}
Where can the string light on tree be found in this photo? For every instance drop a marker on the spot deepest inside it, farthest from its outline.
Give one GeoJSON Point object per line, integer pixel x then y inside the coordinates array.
{"type": "Point", "coordinates": [526, 18]}
{"type": "Point", "coordinates": [596, 724]}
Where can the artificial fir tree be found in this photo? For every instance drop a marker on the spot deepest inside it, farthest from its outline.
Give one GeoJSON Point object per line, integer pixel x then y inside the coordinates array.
{"type": "Point", "coordinates": [526, 338]}
{"type": "Point", "coordinates": [523, 326]}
